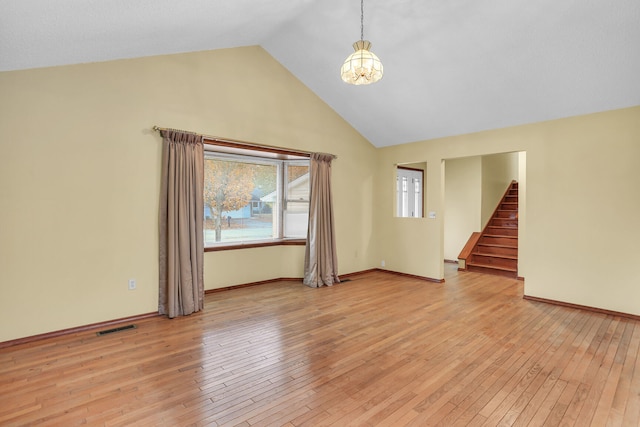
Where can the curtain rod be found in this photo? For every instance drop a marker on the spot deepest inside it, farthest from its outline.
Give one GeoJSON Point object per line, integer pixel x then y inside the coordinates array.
{"type": "Point", "coordinates": [239, 142]}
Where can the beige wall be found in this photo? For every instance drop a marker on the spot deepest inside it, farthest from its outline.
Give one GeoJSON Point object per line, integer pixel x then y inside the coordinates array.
{"type": "Point", "coordinates": [79, 178]}
{"type": "Point", "coordinates": [582, 220]}
{"type": "Point", "coordinates": [522, 212]}
{"type": "Point", "coordinates": [498, 170]}
{"type": "Point", "coordinates": [400, 242]}
{"type": "Point", "coordinates": [463, 201]}
{"type": "Point", "coordinates": [266, 263]}
{"type": "Point", "coordinates": [79, 187]}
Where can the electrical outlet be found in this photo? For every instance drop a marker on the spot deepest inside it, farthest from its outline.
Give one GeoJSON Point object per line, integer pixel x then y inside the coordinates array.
{"type": "Point", "coordinates": [132, 284]}
{"type": "Point", "coordinates": [382, 263]}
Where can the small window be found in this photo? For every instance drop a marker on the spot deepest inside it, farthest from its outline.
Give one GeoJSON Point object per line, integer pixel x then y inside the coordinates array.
{"type": "Point", "coordinates": [409, 197]}
{"type": "Point", "coordinates": [250, 199]}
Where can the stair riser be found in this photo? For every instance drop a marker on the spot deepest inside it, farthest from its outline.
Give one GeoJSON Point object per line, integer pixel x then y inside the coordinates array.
{"type": "Point", "coordinates": [509, 206]}
{"type": "Point", "coordinates": [498, 262]}
{"type": "Point", "coordinates": [498, 250]}
{"type": "Point", "coordinates": [511, 274]}
{"type": "Point", "coordinates": [501, 231]}
{"type": "Point", "coordinates": [506, 214]}
{"type": "Point", "coordinates": [504, 222]}
{"type": "Point", "coordinates": [508, 241]}
{"type": "Point", "coordinates": [511, 199]}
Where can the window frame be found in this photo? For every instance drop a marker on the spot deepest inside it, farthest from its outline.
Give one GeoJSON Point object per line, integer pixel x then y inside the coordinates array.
{"type": "Point", "coordinates": [259, 155]}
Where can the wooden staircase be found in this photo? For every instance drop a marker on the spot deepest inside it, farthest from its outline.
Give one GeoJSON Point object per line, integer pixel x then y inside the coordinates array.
{"type": "Point", "coordinates": [495, 249]}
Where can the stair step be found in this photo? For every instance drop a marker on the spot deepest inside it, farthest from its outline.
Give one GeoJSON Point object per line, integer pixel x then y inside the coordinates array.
{"type": "Point", "coordinates": [493, 261]}
{"type": "Point", "coordinates": [502, 256]}
{"type": "Point", "coordinates": [504, 213]}
{"type": "Point", "coordinates": [494, 245]}
{"type": "Point", "coordinates": [493, 267]}
{"type": "Point", "coordinates": [499, 240]}
{"type": "Point", "coordinates": [479, 268]}
{"type": "Point", "coordinates": [504, 222]}
{"type": "Point", "coordinates": [493, 230]}
{"type": "Point", "coordinates": [497, 249]}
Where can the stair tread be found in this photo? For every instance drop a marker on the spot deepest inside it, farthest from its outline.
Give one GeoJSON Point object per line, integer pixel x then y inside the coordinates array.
{"type": "Point", "coordinates": [510, 227]}
{"type": "Point", "coordinates": [499, 235]}
{"type": "Point", "coordinates": [493, 267]}
{"type": "Point", "coordinates": [503, 256]}
{"type": "Point", "coordinates": [494, 245]}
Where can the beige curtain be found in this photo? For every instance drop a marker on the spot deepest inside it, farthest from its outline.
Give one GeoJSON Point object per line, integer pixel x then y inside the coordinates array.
{"type": "Point", "coordinates": [320, 261]}
{"type": "Point", "coordinates": [181, 223]}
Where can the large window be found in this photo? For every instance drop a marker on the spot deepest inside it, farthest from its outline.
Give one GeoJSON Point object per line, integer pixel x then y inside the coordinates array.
{"type": "Point", "coordinates": [250, 199]}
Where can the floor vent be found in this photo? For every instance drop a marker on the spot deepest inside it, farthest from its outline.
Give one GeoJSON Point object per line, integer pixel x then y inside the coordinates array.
{"type": "Point", "coordinates": [118, 329]}
{"type": "Point", "coordinates": [344, 280]}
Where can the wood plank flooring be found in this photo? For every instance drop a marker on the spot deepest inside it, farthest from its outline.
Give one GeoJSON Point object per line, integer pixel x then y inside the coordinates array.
{"type": "Point", "coordinates": [380, 350]}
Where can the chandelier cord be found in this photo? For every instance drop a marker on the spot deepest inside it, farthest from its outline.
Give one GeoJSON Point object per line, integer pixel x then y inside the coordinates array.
{"type": "Point", "coordinates": [361, 19]}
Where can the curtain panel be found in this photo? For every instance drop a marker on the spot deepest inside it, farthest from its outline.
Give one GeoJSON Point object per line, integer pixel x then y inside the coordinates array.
{"type": "Point", "coordinates": [320, 262]}
{"type": "Point", "coordinates": [181, 224]}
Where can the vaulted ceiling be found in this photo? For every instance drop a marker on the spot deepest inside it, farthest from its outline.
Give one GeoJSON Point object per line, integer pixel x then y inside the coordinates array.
{"type": "Point", "coordinates": [451, 66]}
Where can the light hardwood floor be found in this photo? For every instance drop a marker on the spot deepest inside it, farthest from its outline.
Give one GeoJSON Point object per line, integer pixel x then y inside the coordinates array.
{"type": "Point", "coordinates": [379, 350]}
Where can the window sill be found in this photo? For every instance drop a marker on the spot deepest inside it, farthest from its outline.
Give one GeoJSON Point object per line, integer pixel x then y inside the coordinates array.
{"type": "Point", "coordinates": [229, 247]}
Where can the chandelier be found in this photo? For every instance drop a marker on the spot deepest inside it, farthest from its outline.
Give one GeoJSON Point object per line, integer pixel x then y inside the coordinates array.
{"type": "Point", "coordinates": [362, 67]}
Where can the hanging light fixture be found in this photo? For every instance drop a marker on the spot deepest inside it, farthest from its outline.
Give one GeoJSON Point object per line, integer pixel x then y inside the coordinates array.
{"type": "Point", "coordinates": [362, 67]}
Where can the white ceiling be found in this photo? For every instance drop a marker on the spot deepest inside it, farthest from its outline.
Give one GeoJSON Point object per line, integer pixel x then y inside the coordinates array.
{"type": "Point", "coordinates": [451, 66]}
